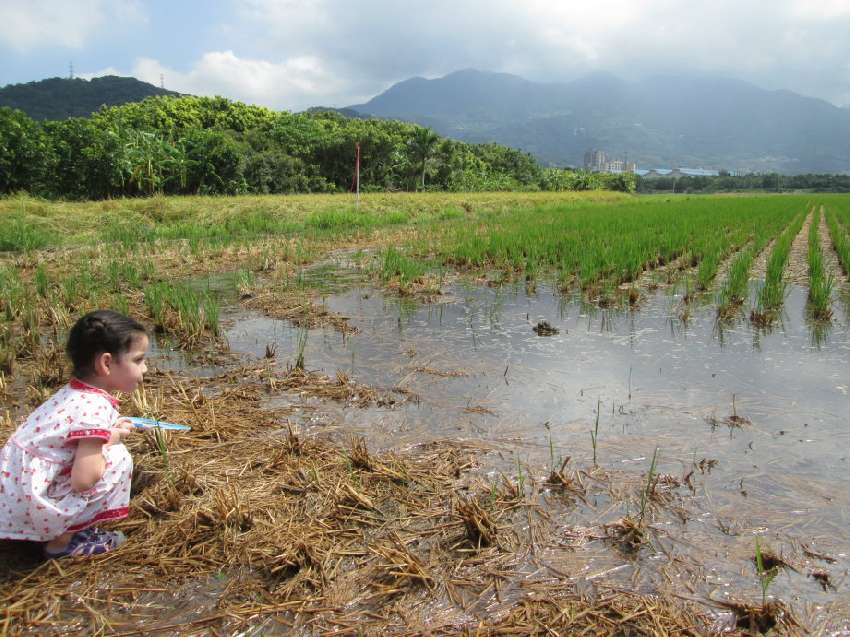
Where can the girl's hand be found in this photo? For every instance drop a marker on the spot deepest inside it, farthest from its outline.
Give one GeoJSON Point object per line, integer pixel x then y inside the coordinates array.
{"type": "Point", "coordinates": [120, 430]}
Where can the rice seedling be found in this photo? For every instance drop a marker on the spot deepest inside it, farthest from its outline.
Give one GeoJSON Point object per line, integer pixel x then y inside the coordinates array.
{"type": "Point", "coordinates": [42, 282]}
{"type": "Point", "coordinates": [594, 434]}
{"type": "Point", "coordinates": [821, 284]}
{"type": "Point", "coordinates": [211, 315]}
{"type": "Point", "coordinates": [301, 345]}
{"type": "Point", "coordinates": [765, 575]}
{"type": "Point", "coordinates": [649, 487]}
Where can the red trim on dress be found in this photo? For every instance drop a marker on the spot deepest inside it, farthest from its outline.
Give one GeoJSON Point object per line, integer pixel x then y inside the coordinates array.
{"type": "Point", "coordinates": [109, 514]}
{"type": "Point", "coordinates": [79, 385]}
{"type": "Point", "coordinates": [106, 434]}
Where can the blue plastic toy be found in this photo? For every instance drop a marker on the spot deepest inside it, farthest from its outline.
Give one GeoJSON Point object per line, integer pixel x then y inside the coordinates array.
{"type": "Point", "coordinates": [150, 423]}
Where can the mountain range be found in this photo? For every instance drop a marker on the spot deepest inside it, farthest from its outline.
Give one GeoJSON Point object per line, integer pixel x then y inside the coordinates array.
{"type": "Point", "coordinates": [58, 98]}
{"type": "Point", "coordinates": [661, 121]}
{"type": "Point", "coordinates": [692, 120]}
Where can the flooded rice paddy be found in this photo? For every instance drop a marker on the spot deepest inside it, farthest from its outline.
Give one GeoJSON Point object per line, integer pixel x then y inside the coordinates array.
{"type": "Point", "coordinates": [750, 427]}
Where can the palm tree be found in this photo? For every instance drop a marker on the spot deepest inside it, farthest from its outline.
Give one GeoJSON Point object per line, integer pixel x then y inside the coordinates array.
{"type": "Point", "coordinates": [421, 145]}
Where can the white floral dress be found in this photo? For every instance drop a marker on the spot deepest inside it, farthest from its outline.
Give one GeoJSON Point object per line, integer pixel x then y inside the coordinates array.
{"type": "Point", "coordinates": [37, 502]}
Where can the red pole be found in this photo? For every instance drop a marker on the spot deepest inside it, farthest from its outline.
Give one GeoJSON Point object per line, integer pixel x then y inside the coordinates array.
{"type": "Point", "coordinates": [357, 172]}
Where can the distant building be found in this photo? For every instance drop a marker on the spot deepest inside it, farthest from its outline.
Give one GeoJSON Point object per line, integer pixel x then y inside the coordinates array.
{"type": "Point", "coordinates": [597, 161]}
{"type": "Point", "coordinates": [654, 173]}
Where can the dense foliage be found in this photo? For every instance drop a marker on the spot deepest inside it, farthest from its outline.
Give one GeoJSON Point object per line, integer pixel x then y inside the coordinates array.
{"type": "Point", "coordinates": [200, 145]}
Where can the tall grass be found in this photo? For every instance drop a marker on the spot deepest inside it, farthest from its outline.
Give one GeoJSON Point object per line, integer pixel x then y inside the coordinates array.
{"type": "Point", "coordinates": [22, 234]}
{"type": "Point", "coordinates": [820, 283]}
{"type": "Point", "coordinates": [394, 264]}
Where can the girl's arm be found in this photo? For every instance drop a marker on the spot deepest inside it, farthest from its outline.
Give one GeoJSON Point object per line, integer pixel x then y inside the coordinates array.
{"type": "Point", "coordinates": [89, 464]}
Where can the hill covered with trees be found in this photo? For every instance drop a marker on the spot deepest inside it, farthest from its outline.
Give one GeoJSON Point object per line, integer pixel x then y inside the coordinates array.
{"type": "Point", "coordinates": [202, 145]}
{"type": "Point", "coordinates": [58, 98]}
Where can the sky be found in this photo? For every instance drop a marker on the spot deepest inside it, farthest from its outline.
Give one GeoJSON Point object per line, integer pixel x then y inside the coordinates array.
{"type": "Point", "coordinates": [293, 54]}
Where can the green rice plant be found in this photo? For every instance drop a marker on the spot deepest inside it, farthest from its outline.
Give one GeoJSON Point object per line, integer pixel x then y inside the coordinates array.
{"type": "Point", "coordinates": [766, 576]}
{"type": "Point", "coordinates": [395, 264]}
{"type": "Point", "coordinates": [820, 284]}
{"type": "Point", "coordinates": [128, 229]}
{"type": "Point", "coordinates": [649, 487]}
{"type": "Point", "coordinates": [119, 303]}
{"type": "Point", "coordinates": [300, 347]}
{"type": "Point", "coordinates": [19, 234]}
{"type": "Point", "coordinates": [156, 304]}
{"type": "Point", "coordinates": [771, 296]}
{"type": "Point", "coordinates": [594, 434]}
{"type": "Point", "coordinates": [121, 274]}
{"type": "Point", "coordinates": [838, 233]}
{"type": "Point", "coordinates": [42, 282]}
{"type": "Point", "coordinates": [520, 478]}
{"type": "Point", "coordinates": [160, 439]}
{"type": "Point", "coordinates": [211, 315]}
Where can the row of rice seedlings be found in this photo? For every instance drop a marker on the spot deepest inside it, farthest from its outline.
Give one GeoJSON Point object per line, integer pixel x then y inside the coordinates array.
{"type": "Point", "coordinates": [772, 294]}
{"type": "Point", "coordinates": [180, 309]}
{"type": "Point", "coordinates": [838, 232]}
{"type": "Point", "coordinates": [734, 291]}
{"type": "Point", "coordinates": [597, 246]}
{"type": "Point", "coordinates": [820, 283]}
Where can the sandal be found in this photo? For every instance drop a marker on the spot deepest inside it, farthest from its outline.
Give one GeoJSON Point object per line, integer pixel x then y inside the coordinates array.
{"type": "Point", "coordinates": [89, 541]}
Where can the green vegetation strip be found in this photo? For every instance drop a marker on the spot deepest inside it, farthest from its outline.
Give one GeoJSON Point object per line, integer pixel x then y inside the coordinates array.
{"type": "Point", "coordinates": [820, 284]}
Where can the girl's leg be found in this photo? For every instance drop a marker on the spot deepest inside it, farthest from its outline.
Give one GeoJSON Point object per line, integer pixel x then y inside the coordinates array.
{"type": "Point", "coordinates": [60, 543]}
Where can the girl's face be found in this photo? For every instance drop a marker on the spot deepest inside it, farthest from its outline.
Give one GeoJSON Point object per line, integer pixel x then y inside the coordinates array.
{"type": "Point", "coordinates": [124, 372]}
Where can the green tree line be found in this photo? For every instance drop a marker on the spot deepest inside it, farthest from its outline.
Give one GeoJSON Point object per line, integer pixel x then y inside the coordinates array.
{"type": "Point", "coordinates": [770, 182]}
{"type": "Point", "coordinates": [202, 145]}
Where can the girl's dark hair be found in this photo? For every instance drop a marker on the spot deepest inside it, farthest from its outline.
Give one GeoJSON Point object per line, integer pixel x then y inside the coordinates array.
{"type": "Point", "coordinates": [99, 332]}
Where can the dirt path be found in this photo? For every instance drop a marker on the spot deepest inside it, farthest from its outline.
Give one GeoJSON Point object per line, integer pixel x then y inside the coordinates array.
{"type": "Point", "coordinates": [725, 264]}
{"type": "Point", "coordinates": [759, 267]}
{"type": "Point", "coordinates": [661, 276]}
{"type": "Point", "coordinates": [797, 268]}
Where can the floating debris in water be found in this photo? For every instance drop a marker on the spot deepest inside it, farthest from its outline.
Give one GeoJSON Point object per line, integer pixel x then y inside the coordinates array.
{"type": "Point", "coordinates": [543, 328]}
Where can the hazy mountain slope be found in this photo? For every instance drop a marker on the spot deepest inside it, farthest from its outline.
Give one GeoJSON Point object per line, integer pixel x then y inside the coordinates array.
{"type": "Point", "coordinates": [664, 120]}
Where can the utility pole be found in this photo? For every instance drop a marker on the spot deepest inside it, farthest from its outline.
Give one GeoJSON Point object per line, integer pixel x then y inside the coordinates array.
{"type": "Point", "coordinates": [161, 81]}
{"type": "Point", "coordinates": [70, 70]}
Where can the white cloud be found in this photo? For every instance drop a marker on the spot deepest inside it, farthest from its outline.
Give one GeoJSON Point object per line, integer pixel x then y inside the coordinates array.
{"type": "Point", "coordinates": [796, 44]}
{"type": "Point", "coordinates": [292, 84]}
{"type": "Point", "coordinates": [297, 53]}
{"type": "Point", "coordinates": [27, 25]}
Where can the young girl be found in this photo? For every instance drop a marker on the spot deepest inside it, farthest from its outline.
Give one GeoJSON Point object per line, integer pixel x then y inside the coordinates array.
{"type": "Point", "coordinates": [65, 468]}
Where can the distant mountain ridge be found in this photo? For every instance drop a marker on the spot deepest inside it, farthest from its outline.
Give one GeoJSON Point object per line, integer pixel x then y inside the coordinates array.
{"type": "Point", "coordinates": [662, 120]}
{"type": "Point", "coordinates": [58, 98]}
